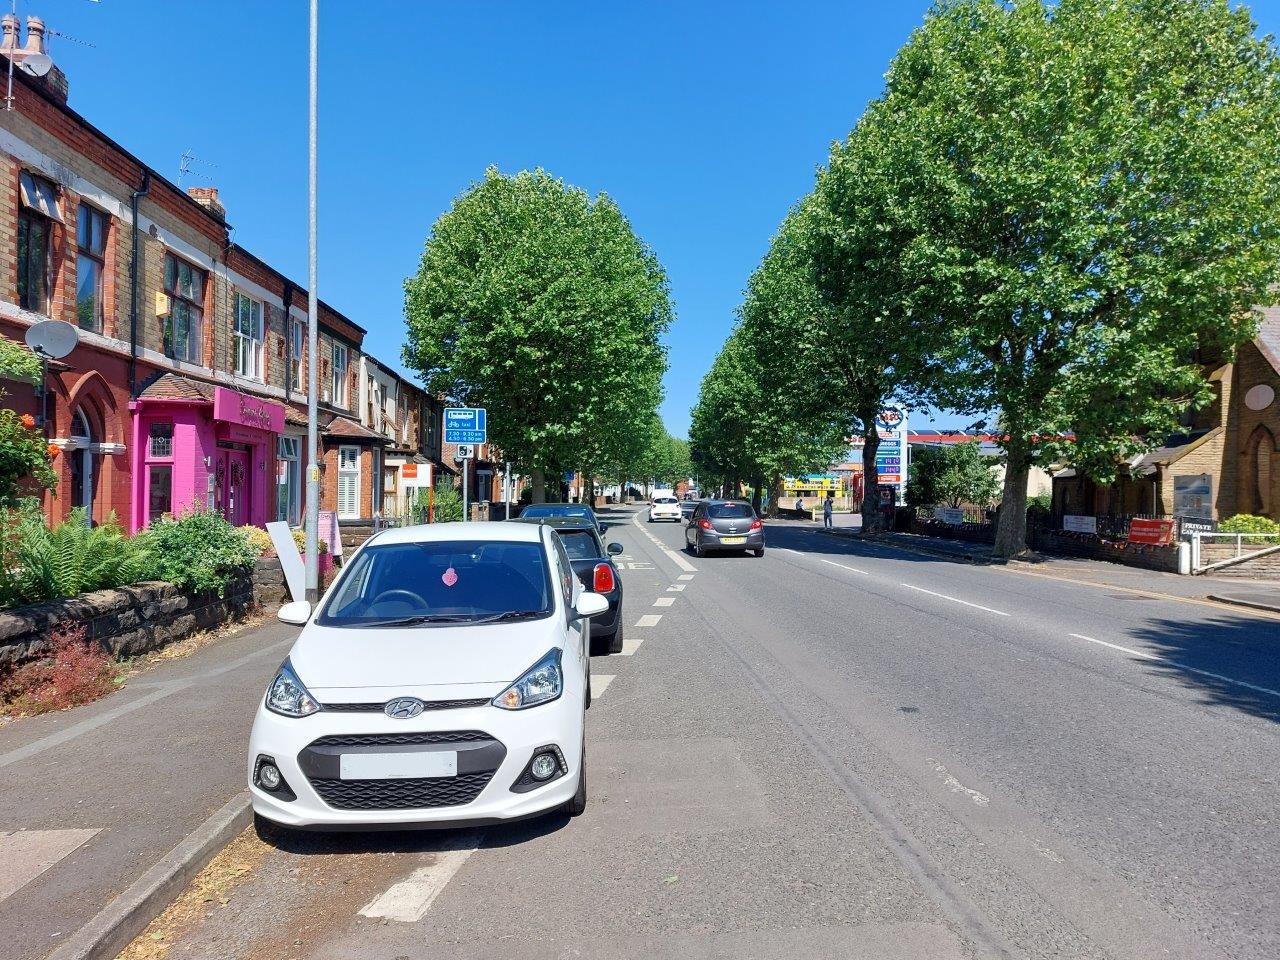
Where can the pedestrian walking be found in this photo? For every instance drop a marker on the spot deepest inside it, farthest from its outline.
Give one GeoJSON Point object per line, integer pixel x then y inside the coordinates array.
{"type": "Point", "coordinates": [827, 506]}
{"type": "Point", "coordinates": [799, 505]}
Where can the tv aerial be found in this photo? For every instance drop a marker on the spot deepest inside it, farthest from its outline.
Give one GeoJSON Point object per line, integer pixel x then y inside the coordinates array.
{"type": "Point", "coordinates": [50, 340]}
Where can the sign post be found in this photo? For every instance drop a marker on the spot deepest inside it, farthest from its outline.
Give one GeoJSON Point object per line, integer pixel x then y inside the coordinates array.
{"type": "Point", "coordinates": [466, 426]}
{"type": "Point", "coordinates": [893, 454]}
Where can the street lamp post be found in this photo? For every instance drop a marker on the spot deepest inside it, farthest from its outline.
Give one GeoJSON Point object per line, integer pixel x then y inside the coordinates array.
{"type": "Point", "coordinates": [313, 366]}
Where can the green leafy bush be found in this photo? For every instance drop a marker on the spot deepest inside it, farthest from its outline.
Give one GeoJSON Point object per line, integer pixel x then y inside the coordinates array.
{"type": "Point", "coordinates": [18, 362]}
{"type": "Point", "coordinates": [259, 540]}
{"type": "Point", "coordinates": [44, 563]}
{"type": "Point", "coordinates": [1249, 523]}
{"type": "Point", "coordinates": [448, 502]}
{"type": "Point", "coordinates": [24, 458]}
{"type": "Point", "coordinates": [197, 551]}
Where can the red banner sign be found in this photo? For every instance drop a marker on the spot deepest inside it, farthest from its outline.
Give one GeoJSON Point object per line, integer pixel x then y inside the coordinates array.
{"type": "Point", "coordinates": [1151, 531]}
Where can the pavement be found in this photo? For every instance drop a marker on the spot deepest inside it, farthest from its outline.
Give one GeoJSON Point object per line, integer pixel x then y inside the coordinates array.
{"type": "Point", "coordinates": [843, 749]}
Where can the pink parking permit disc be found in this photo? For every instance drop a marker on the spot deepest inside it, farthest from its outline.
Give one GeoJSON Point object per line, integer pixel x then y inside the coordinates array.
{"type": "Point", "coordinates": [450, 577]}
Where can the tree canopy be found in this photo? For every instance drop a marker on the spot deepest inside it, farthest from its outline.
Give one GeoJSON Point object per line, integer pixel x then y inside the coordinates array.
{"type": "Point", "coordinates": [541, 304]}
{"type": "Point", "coordinates": [954, 474]}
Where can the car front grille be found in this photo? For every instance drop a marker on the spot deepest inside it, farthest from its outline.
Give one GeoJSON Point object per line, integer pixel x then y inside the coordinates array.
{"type": "Point", "coordinates": [410, 794]}
{"type": "Point", "coordinates": [379, 707]}
{"type": "Point", "coordinates": [398, 739]}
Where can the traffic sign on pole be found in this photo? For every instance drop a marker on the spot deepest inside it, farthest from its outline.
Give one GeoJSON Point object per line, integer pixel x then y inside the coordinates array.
{"type": "Point", "coordinates": [465, 425]}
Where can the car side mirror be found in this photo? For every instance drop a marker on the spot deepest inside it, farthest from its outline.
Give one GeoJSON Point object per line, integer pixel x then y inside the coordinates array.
{"type": "Point", "coordinates": [298, 612]}
{"type": "Point", "coordinates": [614, 549]}
{"type": "Point", "coordinates": [591, 605]}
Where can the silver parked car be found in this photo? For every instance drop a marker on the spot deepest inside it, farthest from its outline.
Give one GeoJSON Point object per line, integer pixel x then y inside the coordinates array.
{"type": "Point", "coordinates": [724, 525]}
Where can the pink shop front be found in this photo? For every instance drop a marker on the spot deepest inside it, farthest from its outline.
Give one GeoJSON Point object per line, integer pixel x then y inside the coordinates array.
{"type": "Point", "coordinates": [200, 447]}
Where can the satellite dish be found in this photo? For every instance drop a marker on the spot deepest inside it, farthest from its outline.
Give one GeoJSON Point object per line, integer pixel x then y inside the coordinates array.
{"type": "Point", "coordinates": [36, 65]}
{"type": "Point", "coordinates": [52, 338]}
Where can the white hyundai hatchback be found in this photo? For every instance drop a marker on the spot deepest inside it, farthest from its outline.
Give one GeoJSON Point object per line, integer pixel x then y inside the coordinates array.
{"type": "Point", "coordinates": [441, 681]}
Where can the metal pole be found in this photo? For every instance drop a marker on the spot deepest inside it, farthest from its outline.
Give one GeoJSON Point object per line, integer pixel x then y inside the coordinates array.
{"type": "Point", "coordinates": [506, 490]}
{"type": "Point", "coordinates": [313, 362]}
{"type": "Point", "coordinates": [465, 492]}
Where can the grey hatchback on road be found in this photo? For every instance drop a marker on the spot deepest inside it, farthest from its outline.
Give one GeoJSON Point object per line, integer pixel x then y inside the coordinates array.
{"type": "Point", "coordinates": [724, 525]}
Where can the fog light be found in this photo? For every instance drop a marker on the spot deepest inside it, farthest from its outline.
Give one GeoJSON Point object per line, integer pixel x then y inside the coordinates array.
{"type": "Point", "coordinates": [543, 766]}
{"type": "Point", "coordinates": [269, 777]}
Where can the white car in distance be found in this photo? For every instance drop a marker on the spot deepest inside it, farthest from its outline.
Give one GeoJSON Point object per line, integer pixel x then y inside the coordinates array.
{"type": "Point", "coordinates": [665, 507]}
{"type": "Point", "coordinates": [441, 681]}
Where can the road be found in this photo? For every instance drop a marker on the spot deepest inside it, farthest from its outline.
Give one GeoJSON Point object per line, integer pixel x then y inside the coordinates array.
{"type": "Point", "coordinates": [847, 751]}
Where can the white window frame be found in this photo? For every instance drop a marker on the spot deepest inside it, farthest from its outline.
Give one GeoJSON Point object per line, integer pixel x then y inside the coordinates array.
{"type": "Point", "coordinates": [289, 451]}
{"type": "Point", "coordinates": [247, 337]}
{"type": "Point", "coordinates": [297, 345]}
{"type": "Point", "coordinates": [349, 471]}
{"type": "Point", "coordinates": [338, 374]}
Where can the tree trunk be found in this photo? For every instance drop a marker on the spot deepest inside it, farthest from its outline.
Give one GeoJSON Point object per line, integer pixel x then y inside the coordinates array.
{"type": "Point", "coordinates": [775, 495]}
{"type": "Point", "coordinates": [539, 485]}
{"type": "Point", "coordinates": [871, 515]}
{"type": "Point", "coordinates": [755, 494]}
{"type": "Point", "coordinates": [1011, 517]}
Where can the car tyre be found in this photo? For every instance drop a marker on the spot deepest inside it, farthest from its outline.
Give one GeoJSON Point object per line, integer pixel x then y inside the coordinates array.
{"type": "Point", "coordinates": [268, 831]}
{"type": "Point", "coordinates": [613, 643]}
{"type": "Point", "coordinates": [576, 806]}
{"type": "Point", "coordinates": [587, 704]}
{"type": "Point", "coordinates": [759, 552]}
{"type": "Point", "coordinates": [697, 549]}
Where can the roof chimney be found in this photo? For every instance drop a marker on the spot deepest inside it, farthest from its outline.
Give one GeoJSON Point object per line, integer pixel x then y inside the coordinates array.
{"type": "Point", "coordinates": [35, 36]}
{"type": "Point", "coordinates": [10, 25]}
{"type": "Point", "coordinates": [207, 197]}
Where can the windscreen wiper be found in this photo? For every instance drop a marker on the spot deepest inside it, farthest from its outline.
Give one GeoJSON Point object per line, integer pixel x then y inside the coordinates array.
{"type": "Point", "coordinates": [424, 618]}
{"type": "Point", "coordinates": [511, 615]}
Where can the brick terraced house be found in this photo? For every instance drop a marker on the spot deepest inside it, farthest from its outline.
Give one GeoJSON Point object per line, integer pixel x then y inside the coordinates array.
{"type": "Point", "coordinates": [187, 389]}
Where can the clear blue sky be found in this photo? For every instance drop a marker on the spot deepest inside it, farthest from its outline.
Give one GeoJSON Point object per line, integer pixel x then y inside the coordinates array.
{"type": "Point", "coordinates": [704, 121]}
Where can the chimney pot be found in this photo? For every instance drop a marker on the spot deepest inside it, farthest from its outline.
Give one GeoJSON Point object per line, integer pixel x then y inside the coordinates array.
{"type": "Point", "coordinates": [35, 35]}
{"type": "Point", "coordinates": [10, 25]}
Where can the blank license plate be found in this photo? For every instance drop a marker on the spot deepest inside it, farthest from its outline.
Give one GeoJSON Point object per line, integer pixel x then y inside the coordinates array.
{"type": "Point", "coordinates": [398, 766]}
{"type": "Point", "coordinates": [733, 539]}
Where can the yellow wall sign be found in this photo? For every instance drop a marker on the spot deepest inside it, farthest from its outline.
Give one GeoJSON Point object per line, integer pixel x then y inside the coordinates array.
{"type": "Point", "coordinates": [813, 485]}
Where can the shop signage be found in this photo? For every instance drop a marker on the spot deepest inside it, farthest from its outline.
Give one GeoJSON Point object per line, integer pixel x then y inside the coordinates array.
{"type": "Point", "coordinates": [409, 471]}
{"type": "Point", "coordinates": [1077, 524]}
{"type": "Point", "coordinates": [243, 410]}
{"type": "Point", "coordinates": [1150, 531]}
{"type": "Point", "coordinates": [892, 455]}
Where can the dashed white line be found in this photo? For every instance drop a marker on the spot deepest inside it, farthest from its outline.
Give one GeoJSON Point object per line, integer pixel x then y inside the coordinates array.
{"type": "Point", "coordinates": [676, 587]}
{"type": "Point", "coordinates": [1180, 666]}
{"type": "Point", "coordinates": [843, 566]}
{"type": "Point", "coordinates": [664, 601]}
{"type": "Point", "coordinates": [630, 645]}
{"type": "Point", "coordinates": [600, 682]}
{"type": "Point", "coordinates": [649, 620]}
{"type": "Point", "coordinates": [685, 576]}
{"type": "Point", "coordinates": [674, 557]}
{"type": "Point", "coordinates": [943, 596]}
{"type": "Point", "coordinates": [409, 900]}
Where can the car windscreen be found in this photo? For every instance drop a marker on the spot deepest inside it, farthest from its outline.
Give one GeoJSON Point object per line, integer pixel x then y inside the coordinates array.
{"type": "Point", "coordinates": [557, 510]}
{"type": "Point", "coordinates": [580, 544]}
{"type": "Point", "coordinates": [450, 581]}
{"type": "Point", "coordinates": [730, 511]}
{"type": "Point", "coordinates": [664, 499]}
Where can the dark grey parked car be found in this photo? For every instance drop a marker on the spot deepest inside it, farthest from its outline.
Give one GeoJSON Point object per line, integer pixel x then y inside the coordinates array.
{"type": "Point", "coordinates": [724, 525]}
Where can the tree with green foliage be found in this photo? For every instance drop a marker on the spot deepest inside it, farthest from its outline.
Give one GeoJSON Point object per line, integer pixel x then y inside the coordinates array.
{"type": "Point", "coordinates": [1091, 197]}
{"type": "Point", "coordinates": [446, 505]}
{"type": "Point", "coordinates": [541, 304]}
{"type": "Point", "coordinates": [952, 474]}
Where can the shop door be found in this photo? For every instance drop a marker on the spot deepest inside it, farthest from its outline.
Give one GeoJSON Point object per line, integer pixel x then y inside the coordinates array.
{"type": "Point", "coordinates": [233, 486]}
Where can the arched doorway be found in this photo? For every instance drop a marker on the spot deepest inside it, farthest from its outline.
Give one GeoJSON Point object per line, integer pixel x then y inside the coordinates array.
{"type": "Point", "coordinates": [1259, 478]}
{"type": "Point", "coordinates": [80, 462]}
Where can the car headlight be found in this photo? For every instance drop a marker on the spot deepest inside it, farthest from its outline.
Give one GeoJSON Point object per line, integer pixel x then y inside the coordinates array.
{"type": "Point", "coordinates": [288, 697]}
{"type": "Point", "coordinates": [541, 683]}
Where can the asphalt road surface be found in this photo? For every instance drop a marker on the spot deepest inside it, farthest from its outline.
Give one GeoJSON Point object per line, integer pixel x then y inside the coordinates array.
{"type": "Point", "coordinates": [844, 751]}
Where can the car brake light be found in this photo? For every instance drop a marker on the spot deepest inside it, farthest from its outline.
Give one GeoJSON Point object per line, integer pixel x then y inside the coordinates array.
{"type": "Point", "coordinates": [757, 524]}
{"type": "Point", "coordinates": [704, 523]}
{"type": "Point", "coordinates": [603, 581]}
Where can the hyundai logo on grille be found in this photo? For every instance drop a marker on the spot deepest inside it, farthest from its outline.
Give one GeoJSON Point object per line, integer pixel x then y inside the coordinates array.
{"type": "Point", "coordinates": [405, 708]}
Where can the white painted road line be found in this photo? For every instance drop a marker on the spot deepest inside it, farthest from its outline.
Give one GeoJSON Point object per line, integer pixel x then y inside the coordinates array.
{"type": "Point", "coordinates": [664, 601]}
{"type": "Point", "coordinates": [600, 682]}
{"type": "Point", "coordinates": [409, 900]}
{"type": "Point", "coordinates": [1180, 666]}
{"type": "Point", "coordinates": [674, 557]}
{"type": "Point", "coordinates": [676, 587]}
{"type": "Point", "coordinates": [685, 576]}
{"type": "Point", "coordinates": [943, 596]}
{"type": "Point", "coordinates": [843, 566]}
{"type": "Point", "coordinates": [629, 646]}
{"type": "Point", "coordinates": [649, 620]}
{"type": "Point", "coordinates": [25, 854]}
